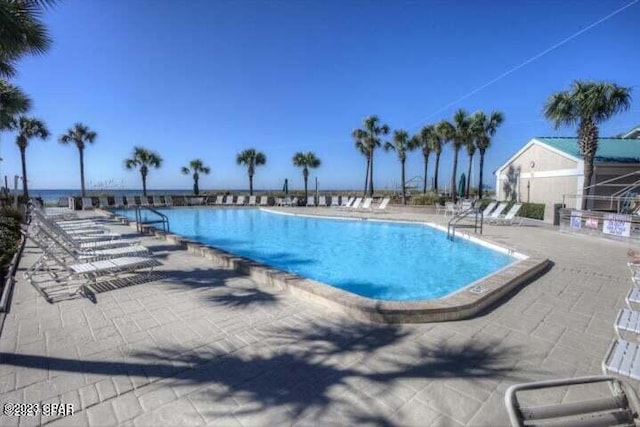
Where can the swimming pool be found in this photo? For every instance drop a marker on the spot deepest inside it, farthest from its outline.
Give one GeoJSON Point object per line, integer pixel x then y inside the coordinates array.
{"type": "Point", "coordinates": [386, 261]}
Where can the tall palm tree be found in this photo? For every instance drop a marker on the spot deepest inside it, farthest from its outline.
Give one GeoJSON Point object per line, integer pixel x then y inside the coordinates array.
{"type": "Point", "coordinates": [361, 145]}
{"type": "Point", "coordinates": [443, 134]}
{"type": "Point", "coordinates": [21, 31]}
{"type": "Point", "coordinates": [251, 159]}
{"type": "Point", "coordinates": [371, 133]}
{"type": "Point", "coordinates": [80, 135]}
{"type": "Point", "coordinates": [28, 128]}
{"type": "Point", "coordinates": [400, 145]}
{"type": "Point", "coordinates": [306, 161]}
{"type": "Point", "coordinates": [196, 166]}
{"type": "Point", "coordinates": [483, 129]}
{"type": "Point", "coordinates": [12, 102]}
{"type": "Point", "coordinates": [471, 151]}
{"type": "Point", "coordinates": [145, 159]}
{"type": "Point", "coordinates": [461, 138]}
{"type": "Point", "coordinates": [424, 142]}
{"type": "Point", "coordinates": [587, 104]}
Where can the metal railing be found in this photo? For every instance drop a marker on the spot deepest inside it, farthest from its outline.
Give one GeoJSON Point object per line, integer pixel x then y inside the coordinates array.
{"type": "Point", "coordinates": [139, 222]}
{"type": "Point", "coordinates": [455, 221]}
{"type": "Point", "coordinates": [603, 224]}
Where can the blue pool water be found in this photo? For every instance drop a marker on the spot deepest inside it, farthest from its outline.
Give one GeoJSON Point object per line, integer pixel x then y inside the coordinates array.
{"type": "Point", "coordinates": [381, 260]}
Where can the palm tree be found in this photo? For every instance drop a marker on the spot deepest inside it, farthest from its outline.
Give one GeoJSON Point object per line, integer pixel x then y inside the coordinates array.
{"type": "Point", "coordinates": [21, 31]}
{"type": "Point", "coordinates": [361, 146]}
{"type": "Point", "coordinates": [145, 159]}
{"type": "Point", "coordinates": [371, 132]}
{"type": "Point", "coordinates": [443, 134]}
{"type": "Point", "coordinates": [471, 151]}
{"type": "Point", "coordinates": [196, 166]}
{"type": "Point", "coordinates": [28, 128]}
{"type": "Point", "coordinates": [251, 158]}
{"type": "Point", "coordinates": [461, 138]}
{"type": "Point", "coordinates": [12, 102]}
{"type": "Point", "coordinates": [424, 141]}
{"type": "Point", "coordinates": [306, 161]}
{"type": "Point", "coordinates": [400, 145]}
{"type": "Point", "coordinates": [483, 129]}
{"type": "Point", "coordinates": [80, 135]}
{"type": "Point", "coordinates": [587, 104]}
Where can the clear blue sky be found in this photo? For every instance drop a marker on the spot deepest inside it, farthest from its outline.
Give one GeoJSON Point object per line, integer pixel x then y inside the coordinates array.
{"type": "Point", "coordinates": [208, 79]}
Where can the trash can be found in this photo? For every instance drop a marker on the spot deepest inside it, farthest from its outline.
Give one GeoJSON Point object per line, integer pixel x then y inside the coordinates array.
{"type": "Point", "coordinates": [557, 208]}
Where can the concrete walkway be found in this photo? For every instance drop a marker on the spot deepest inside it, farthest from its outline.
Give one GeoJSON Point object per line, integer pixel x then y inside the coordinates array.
{"type": "Point", "coordinates": [195, 344]}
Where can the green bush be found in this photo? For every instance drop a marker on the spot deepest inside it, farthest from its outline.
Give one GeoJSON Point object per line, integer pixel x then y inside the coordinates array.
{"type": "Point", "coordinates": [529, 210]}
{"type": "Point", "coordinates": [9, 236]}
{"type": "Point", "coordinates": [426, 199]}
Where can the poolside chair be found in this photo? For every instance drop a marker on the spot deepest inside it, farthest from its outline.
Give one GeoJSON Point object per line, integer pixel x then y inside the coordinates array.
{"type": "Point", "coordinates": [144, 201]}
{"type": "Point", "coordinates": [264, 200]}
{"type": "Point", "coordinates": [627, 321]}
{"type": "Point", "coordinates": [497, 212]}
{"type": "Point", "coordinates": [450, 208]}
{"type": "Point", "coordinates": [103, 202]}
{"type": "Point", "coordinates": [335, 201]}
{"type": "Point", "coordinates": [195, 201]}
{"type": "Point", "coordinates": [240, 201]}
{"type": "Point", "coordinates": [620, 407]}
{"type": "Point", "coordinates": [347, 203]}
{"type": "Point", "coordinates": [487, 210]}
{"type": "Point", "coordinates": [440, 208]}
{"type": "Point", "coordinates": [229, 200]}
{"type": "Point", "coordinates": [311, 201]}
{"type": "Point", "coordinates": [366, 204]}
{"type": "Point", "coordinates": [118, 202]}
{"type": "Point", "coordinates": [87, 203]}
{"type": "Point", "coordinates": [623, 359]}
{"type": "Point", "coordinates": [157, 202]}
{"type": "Point", "coordinates": [383, 204]}
{"type": "Point", "coordinates": [217, 201]}
{"type": "Point", "coordinates": [635, 272]}
{"type": "Point", "coordinates": [633, 297]}
{"type": "Point", "coordinates": [252, 201]}
{"type": "Point", "coordinates": [130, 200]}
{"type": "Point", "coordinates": [356, 203]}
{"type": "Point", "coordinates": [508, 219]}
{"type": "Point", "coordinates": [322, 201]}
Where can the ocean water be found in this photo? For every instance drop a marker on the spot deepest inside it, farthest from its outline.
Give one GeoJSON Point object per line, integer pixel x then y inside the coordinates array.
{"type": "Point", "coordinates": [382, 260]}
{"type": "Point", "coordinates": [52, 196]}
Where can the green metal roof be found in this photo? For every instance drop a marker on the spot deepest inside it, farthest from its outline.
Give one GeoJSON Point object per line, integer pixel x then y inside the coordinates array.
{"type": "Point", "coordinates": [610, 150]}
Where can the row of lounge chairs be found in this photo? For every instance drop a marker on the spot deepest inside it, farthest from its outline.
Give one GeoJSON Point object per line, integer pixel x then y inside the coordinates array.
{"type": "Point", "coordinates": [493, 213]}
{"type": "Point", "coordinates": [78, 253]}
{"type": "Point", "coordinates": [621, 361]}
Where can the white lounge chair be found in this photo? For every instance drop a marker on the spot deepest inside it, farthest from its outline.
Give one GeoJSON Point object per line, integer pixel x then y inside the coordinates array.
{"type": "Point", "coordinates": [252, 201]}
{"type": "Point", "coordinates": [347, 202]}
{"type": "Point", "coordinates": [450, 208]}
{"type": "Point", "coordinates": [240, 201]}
{"type": "Point", "coordinates": [264, 201]}
{"type": "Point", "coordinates": [157, 201]}
{"type": "Point", "coordinates": [131, 201]}
{"type": "Point", "coordinates": [619, 407]}
{"type": "Point", "coordinates": [229, 200]}
{"type": "Point", "coordinates": [622, 358]}
{"type": "Point", "coordinates": [497, 212]}
{"type": "Point", "coordinates": [103, 202]}
{"type": "Point", "coordinates": [383, 204]}
{"type": "Point", "coordinates": [356, 203]}
{"type": "Point", "coordinates": [335, 201]}
{"type": "Point", "coordinates": [322, 201]}
{"type": "Point", "coordinates": [87, 203]}
{"type": "Point", "coordinates": [633, 297]}
{"type": "Point", "coordinates": [487, 210]}
{"type": "Point", "coordinates": [635, 272]}
{"type": "Point", "coordinates": [178, 201]}
{"type": "Point", "coordinates": [119, 202]}
{"type": "Point", "coordinates": [509, 217]}
{"type": "Point", "coordinates": [366, 204]}
{"type": "Point", "coordinates": [219, 199]}
{"type": "Point", "coordinates": [195, 201]}
{"type": "Point", "coordinates": [311, 201]}
{"type": "Point", "coordinates": [627, 321]}
{"type": "Point", "coordinates": [144, 201]}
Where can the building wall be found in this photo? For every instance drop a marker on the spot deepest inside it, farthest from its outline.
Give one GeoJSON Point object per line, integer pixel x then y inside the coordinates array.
{"type": "Point", "coordinates": [539, 175]}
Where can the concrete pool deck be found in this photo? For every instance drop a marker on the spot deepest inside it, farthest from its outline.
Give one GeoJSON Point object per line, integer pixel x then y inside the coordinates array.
{"type": "Point", "coordinates": [199, 344]}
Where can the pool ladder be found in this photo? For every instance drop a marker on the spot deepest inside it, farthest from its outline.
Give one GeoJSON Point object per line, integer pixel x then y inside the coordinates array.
{"type": "Point", "coordinates": [455, 222]}
{"type": "Point", "coordinates": [162, 219]}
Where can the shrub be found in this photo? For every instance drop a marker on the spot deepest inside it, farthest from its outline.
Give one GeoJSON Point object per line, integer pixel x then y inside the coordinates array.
{"type": "Point", "coordinates": [425, 199]}
{"type": "Point", "coordinates": [9, 236]}
{"type": "Point", "coordinates": [532, 210]}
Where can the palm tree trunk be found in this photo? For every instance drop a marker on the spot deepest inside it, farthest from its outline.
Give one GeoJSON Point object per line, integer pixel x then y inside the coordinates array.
{"type": "Point", "coordinates": [404, 193]}
{"type": "Point", "coordinates": [469, 177]}
{"type": "Point", "coordinates": [82, 172]}
{"type": "Point", "coordinates": [366, 177]}
{"type": "Point", "coordinates": [306, 178]}
{"type": "Point", "coordinates": [453, 177]}
{"type": "Point", "coordinates": [195, 186]}
{"type": "Point", "coordinates": [371, 175]}
{"type": "Point", "coordinates": [435, 180]}
{"type": "Point", "coordinates": [426, 168]}
{"type": "Point", "coordinates": [25, 187]}
{"type": "Point", "coordinates": [251, 185]}
{"type": "Point", "coordinates": [480, 184]}
{"type": "Point", "coordinates": [144, 184]}
{"type": "Point", "coordinates": [588, 140]}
